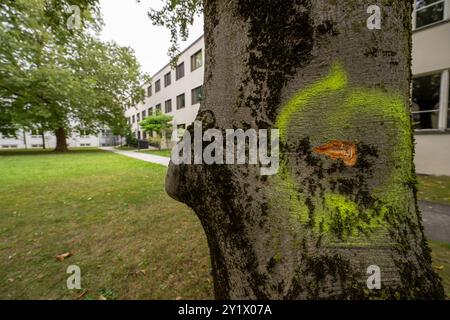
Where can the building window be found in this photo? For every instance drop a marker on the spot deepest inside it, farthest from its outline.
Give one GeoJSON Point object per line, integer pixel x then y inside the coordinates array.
{"type": "Point", "coordinates": [150, 112]}
{"type": "Point", "coordinates": [144, 135]}
{"type": "Point", "coordinates": [37, 146]}
{"type": "Point", "coordinates": [167, 79]}
{"type": "Point", "coordinates": [158, 108]}
{"type": "Point", "coordinates": [168, 106]}
{"type": "Point", "coordinates": [181, 101]}
{"type": "Point", "coordinates": [138, 117]}
{"type": "Point", "coordinates": [143, 115]}
{"type": "Point", "coordinates": [196, 95]}
{"type": "Point", "coordinates": [36, 134]}
{"type": "Point", "coordinates": [134, 120]}
{"type": "Point", "coordinates": [196, 60]}
{"type": "Point", "coordinates": [149, 91]}
{"type": "Point", "coordinates": [179, 72]}
{"type": "Point", "coordinates": [85, 144]}
{"type": "Point", "coordinates": [158, 86]}
{"type": "Point", "coordinates": [11, 146]}
{"type": "Point", "coordinates": [429, 11]}
{"type": "Point", "coordinates": [84, 134]}
{"type": "Point", "coordinates": [431, 101]}
{"type": "Point", "coordinates": [139, 135]}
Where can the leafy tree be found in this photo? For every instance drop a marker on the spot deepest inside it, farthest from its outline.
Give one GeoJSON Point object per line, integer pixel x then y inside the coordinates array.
{"type": "Point", "coordinates": [62, 79]}
{"type": "Point", "coordinates": [344, 200]}
{"type": "Point", "coordinates": [158, 123]}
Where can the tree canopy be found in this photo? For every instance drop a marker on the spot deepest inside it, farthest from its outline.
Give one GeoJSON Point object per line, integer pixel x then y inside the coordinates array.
{"type": "Point", "coordinates": [58, 76]}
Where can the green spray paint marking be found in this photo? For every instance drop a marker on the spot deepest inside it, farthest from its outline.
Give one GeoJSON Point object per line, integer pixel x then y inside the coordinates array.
{"type": "Point", "coordinates": [336, 214]}
{"type": "Point", "coordinates": [337, 80]}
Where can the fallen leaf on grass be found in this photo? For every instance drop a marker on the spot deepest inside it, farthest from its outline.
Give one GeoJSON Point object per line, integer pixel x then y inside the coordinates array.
{"type": "Point", "coordinates": [440, 268]}
{"type": "Point", "coordinates": [81, 295]}
{"type": "Point", "coordinates": [63, 256]}
{"type": "Point", "coordinates": [102, 297]}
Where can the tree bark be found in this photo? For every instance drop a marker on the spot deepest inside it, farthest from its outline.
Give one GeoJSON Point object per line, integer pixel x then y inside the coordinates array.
{"type": "Point", "coordinates": [61, 140]}
{"type": "Point", "coordinates": [334, 88]}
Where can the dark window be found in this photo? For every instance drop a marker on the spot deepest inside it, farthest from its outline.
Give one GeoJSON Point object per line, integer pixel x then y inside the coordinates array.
{"type": "Point", "coordinates": [168, 106]}
{"type": "Point", "coordinates": [84, 134]}
{"type": "Point", "coordinates": [134, 120]}
{"type": "Point", "coordinates": [143, 115]}
{"type": "Point", "coordinates": [158, 86]}
{"type": "Point", "coordinates": [426, 101]}
{"type": "Point", "coordinates": [196, 60]}
{"type": "Point", "coordinates": [149, 91]}
{"type": "Point", "coordinates": [167, 79]}
{"type": "Point", "coordinates": [158, 107]}
{"type": "Point", "coordinates": [197, 95]}
{"type": "Point", "coordinates": [144, 135]}
{"type": "Point", "coordinates": [429, 12]}
{"type": "Point", "coordinates": [448, 112]}
{"type": "Point", "coordinates": [139, 135]}
{"type": "Point", "coordinates": [181, 101]}
{"type": "Point", "coordinates": [138, 117]}
{"type": "Point", "coordinates": [179, 72]}
{"type": "Point", "coordinates": [150, 112]}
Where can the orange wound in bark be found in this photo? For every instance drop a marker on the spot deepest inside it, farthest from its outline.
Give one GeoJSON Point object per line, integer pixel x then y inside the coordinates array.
{"type": "Point", "coordinates": [346, 151]}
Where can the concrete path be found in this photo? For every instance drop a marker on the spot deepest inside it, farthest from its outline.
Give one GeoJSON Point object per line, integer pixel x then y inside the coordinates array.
{"type": "Point", "coordinates": [436, 221]}
{"type": "Point", "coordinates": [140, 156]}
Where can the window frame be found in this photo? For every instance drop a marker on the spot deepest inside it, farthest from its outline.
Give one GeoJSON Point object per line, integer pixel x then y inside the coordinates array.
{"type": "Point", "coordinates": [167, 79]}
{"type": "Point", "coordinates": [177, 71]}
{"type": "Point", "coordinates": [194, 95]}
{"type": "Point", "coordinates": [193, 59]}
{"type": "Point", "coordinates": [158, 85]}
{"type": "Point", "coordinates": [149, 91]}
{"type": "Point", "coordinates": [446, 14]}
{"type": "Point", "coordinates": [184, 100]}
{"type": "Point", "coordinates": [168, 110]}
{"type": "Point", "coordinates": [444, 102]}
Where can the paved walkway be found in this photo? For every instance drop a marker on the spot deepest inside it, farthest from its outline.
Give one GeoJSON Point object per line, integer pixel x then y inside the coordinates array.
{"type": "Point", "coordinates": [141, 156]}
{"type": "Point", "coordinates": [436, 217]}
{"type": "Point", "coordinates": [436, 221]}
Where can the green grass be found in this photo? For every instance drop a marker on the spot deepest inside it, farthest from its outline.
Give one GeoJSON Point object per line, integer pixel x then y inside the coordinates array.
{"type": "Point", "coordinates": [441, 262]}
{"type": "Point", "coordinates": [163, 153]}
{"type": "Point", "coordinates": [129, 238]}
{"type": "Point", "coordinates": [434, 189]}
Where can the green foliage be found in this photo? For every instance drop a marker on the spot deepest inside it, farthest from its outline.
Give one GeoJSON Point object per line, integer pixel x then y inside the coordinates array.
{"type": "Point", "coordinates": [159, 123]}
{"type": "Point", "coordinates": [52, 76]}
{"type": "Point", "coordinates": [155, 142]}
{"type": "Point", "coordinates": [176, 16]}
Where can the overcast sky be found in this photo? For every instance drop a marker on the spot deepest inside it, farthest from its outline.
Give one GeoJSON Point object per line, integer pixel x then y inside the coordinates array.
{"type": "Point", "coordinates": [127, 23]}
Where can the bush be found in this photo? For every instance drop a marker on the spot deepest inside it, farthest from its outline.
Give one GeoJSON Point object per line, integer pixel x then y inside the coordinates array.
{"type": "Point", "coordinates": [155, 142]}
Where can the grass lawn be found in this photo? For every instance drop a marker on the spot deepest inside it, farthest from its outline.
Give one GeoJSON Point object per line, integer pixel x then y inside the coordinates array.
{"type": "Point", "coordinates": [435, 189]}
{"type": "Point", "coordinates": [163, 153]}
{"type": "Point", "coordinates": [129, 238]}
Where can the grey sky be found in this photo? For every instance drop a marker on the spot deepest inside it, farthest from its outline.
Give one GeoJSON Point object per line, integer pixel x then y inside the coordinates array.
{"type": "Point", "coordinates": [127, 23]}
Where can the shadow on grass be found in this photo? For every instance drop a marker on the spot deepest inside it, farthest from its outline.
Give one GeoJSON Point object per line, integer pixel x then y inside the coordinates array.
{"type": "Point", "coordinates": [38, 152]}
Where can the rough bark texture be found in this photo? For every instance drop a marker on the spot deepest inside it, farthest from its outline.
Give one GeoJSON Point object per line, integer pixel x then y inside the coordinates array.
{"type": "Point", "coordinates": [61, 140]}
{"type": "Point", "coordinates": [313, 70]}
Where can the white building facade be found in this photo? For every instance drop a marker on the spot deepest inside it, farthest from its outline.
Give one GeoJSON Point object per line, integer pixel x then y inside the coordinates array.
{"type": "Point", "coordinates": [174, 91]}
{"type": "Point", "coordinates": [431, 86]}
{"type": "Point", "coordinates": [36, 140]}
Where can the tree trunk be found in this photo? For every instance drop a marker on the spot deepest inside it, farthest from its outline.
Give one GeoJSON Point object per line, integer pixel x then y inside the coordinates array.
{"type": "Point", "coordinates": [344, 199]}
{"type": "Point", "coordinates": [61, 140]}
{"type": "Point", "coordinates": [43, 140]}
